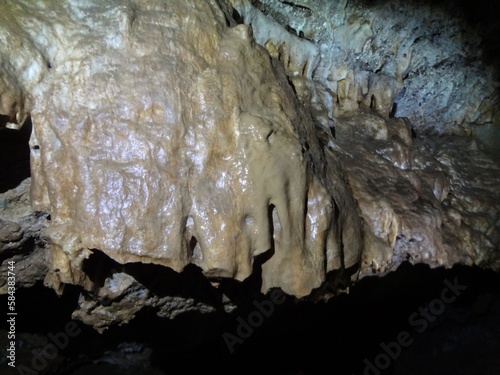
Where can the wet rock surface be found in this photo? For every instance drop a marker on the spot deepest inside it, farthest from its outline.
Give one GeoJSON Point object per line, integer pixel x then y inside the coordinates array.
{"type": "Point", "coordinates": [387, 93]}
{"type": "Point", "coordinates": [186, 158]}
{"type": "Point", "coordinates": [171, 151]}
{"type": "Point", "coordinates": [427, 199]}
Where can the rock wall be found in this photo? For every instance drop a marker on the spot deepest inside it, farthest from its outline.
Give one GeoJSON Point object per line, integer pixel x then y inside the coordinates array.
{"type": "Point", "coordinates": [433, 62]}
{"type": "Point", "coordinates": [406, 93]}
{"type": "Point", "coordinates": [430, 200]}
{"type": "Point", "coordinates": [297, 141]}
{"type": "Point", "coordinates": [163, 134]}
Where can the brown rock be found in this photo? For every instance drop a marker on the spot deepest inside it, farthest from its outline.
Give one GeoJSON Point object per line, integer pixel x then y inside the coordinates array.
{"type": "Point", "coordinates": [161, 135]}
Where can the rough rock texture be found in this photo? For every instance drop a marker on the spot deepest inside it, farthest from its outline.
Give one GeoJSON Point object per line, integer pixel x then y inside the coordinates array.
{"type": "Point", "coordinates": [430, 200]}
{"type": "Point", "coordinates": [388, 83]}
{"type": "Point", "coordinates": [279, 139]}
{"type": "Point", "coordinates": [121, 297]}
{"type": "Point", "coordinates": [22, 238]}
{"type": "Point", "coordinates": [433, 62]}
{"type": "Point", "coordinates": [163, 134]}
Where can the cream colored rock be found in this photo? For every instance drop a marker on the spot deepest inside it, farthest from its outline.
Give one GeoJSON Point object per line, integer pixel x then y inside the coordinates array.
{"type": "Point", "coordinates": [161, 135]}
{"type": "Point", "coordinates": [433, 200]}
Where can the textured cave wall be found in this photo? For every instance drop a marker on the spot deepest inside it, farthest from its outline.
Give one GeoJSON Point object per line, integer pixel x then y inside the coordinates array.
{"type": "Point", "coordinates": [312, 136]}
{"type": "Point", "coordinates": [436, 60]}
{"type": "Point", "coordinates": [406, 93]}
{"type": "Point", "coordinates": [163, 134]}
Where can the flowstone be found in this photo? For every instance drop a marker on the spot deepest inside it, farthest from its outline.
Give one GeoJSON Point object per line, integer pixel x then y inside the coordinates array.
{"type": "Point", "coordinates": [162, 133]}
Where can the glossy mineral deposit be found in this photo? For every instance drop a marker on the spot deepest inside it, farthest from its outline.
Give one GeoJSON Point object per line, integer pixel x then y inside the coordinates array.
{"type": "Point", "coordinates": [162, 133]}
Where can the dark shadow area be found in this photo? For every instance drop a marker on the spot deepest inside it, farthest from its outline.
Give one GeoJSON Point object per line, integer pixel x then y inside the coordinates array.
{"type": "Point", "coordinates": [14, 154]}
{"type": "Point", "coordinates": [26, 248]}
{"type": "Point", "coordinates": [160, 280]}
{"type": "Point", "coordinates": [300, 337]}
{"type": "Point", "coordinates": [237, 17]}
{"type": "Point", "coordinates": [241, 293]}
{"type": "Point", "coordinates": [98, 267]}
{"type": "Point", "coordinates": [481, 15]}
{"type": "Point", "coordinates": [336, 282]}
{"type": "Point", "coordinates": [163, 281]}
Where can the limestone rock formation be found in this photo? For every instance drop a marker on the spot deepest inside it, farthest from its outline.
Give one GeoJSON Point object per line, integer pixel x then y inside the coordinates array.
{"type": "Point", "coordinates": [162, 133]}
{"type": "Point", "coordinates": [433, 62]}
{"type": "Point", "coordinates": [431, 200]}
{"type": "Point", "coordinates": [407, 95]}
{"type": "Point", "coordinates": [280, 139]}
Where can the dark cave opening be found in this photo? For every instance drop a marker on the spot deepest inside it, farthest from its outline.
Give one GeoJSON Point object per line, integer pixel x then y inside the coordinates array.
{"type": "Point", "coordinates": [342, 335]}
{"type": "Point", "coordinates": [14, 153]}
